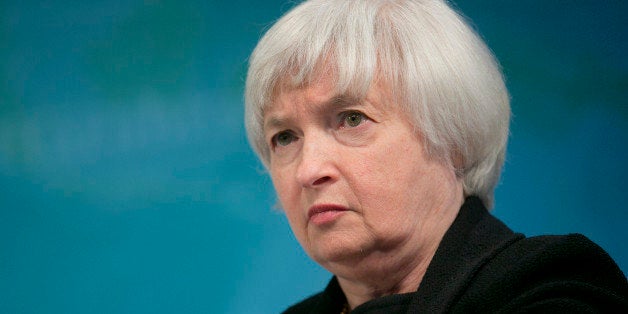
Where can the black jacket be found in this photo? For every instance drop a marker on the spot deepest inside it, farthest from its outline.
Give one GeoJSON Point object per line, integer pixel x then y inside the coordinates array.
{"type": "Point", "coordinates": [481, 266]}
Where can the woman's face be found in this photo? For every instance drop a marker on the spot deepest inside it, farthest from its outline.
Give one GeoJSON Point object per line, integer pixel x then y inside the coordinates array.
{"type": "Point", "coordinates": [353, 178]}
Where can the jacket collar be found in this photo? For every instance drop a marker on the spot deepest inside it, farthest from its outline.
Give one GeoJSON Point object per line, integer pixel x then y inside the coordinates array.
{"type": "Point", "coordinates": [471, 241]}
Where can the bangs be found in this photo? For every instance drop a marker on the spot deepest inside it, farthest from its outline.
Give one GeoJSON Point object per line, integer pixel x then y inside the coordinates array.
{"type": "Point", "coordinates": [326, 46]}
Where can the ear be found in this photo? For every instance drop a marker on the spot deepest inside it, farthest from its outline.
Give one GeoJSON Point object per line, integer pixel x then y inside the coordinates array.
{"type": "Point", "coordinates": [457, 161]}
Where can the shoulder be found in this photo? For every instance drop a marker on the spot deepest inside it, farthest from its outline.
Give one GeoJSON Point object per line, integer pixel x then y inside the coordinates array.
{"type": "Point", "coordinates": [556, 272]}
{"type": "Point", "coordinates": [573, 257]}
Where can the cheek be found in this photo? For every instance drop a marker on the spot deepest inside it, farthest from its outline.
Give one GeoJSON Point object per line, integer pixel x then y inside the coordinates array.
{"type": "Point", "coordinates": [391, 165]}
{"type": "Point", "coordinates": [391, 178]}
{"type": "Point", "coordinates": [283, 189]}
{"type": "Point", "coordinates": [288, 195]}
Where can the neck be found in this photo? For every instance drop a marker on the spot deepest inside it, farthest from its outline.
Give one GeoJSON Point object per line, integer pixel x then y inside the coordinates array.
{"type": "Point", "coordinates": [361, 291]}
{"type": "Point", "coordinates": [383, 273]}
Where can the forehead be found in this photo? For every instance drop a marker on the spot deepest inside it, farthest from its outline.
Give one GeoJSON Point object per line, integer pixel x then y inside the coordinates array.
{"type": "Point", "coordinates": [292, 107]}
{"type": "Point", "coordinates": [323, 94]}
{"type": "Point", "coordinates": [317, 93]}
{"type": "Point", "coordinates": [315, 87]}
{"type": "Point", "coordinates": [288, 100]}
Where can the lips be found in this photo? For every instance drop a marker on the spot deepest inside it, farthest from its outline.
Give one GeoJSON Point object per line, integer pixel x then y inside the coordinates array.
{"type": "Point", "coordinates": [325, 213]}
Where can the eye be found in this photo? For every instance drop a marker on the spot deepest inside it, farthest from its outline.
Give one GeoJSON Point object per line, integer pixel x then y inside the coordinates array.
{"type": "Point", "coordinates": [352, 119]}
{"type": "Point", "coordinates": [283, 138]}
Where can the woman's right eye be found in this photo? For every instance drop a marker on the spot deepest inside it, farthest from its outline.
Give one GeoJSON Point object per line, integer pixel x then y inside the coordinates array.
{"type": "Point", "coordinates": [283, 138]}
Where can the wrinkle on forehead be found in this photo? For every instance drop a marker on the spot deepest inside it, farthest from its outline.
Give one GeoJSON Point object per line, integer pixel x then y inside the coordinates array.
{"type": "Point", "coordinates": [324, 72]}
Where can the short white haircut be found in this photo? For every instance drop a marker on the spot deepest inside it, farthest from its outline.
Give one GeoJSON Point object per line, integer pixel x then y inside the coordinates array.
{"type": "Point", "coordinates": [436, 67]}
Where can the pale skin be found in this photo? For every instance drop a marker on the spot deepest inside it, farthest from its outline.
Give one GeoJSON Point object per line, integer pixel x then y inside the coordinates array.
{"type": "Point", "coordinates": [363, 159]}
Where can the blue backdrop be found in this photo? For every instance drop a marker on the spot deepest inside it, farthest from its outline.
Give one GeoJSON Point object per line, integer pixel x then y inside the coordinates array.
{"type": "Point", "coordinates": [127, 184]}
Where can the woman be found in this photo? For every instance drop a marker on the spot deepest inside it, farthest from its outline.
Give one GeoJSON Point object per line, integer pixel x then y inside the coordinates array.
{"type": "Point", "coordinates": [383, 125]}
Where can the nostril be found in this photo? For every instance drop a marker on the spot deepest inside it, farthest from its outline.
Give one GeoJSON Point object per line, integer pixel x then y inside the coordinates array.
{"type": "Point", "coordinates": [321, 180]}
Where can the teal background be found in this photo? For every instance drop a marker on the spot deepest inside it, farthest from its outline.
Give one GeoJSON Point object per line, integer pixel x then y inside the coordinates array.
{"type": "Point", "coordinates": [127, 184]}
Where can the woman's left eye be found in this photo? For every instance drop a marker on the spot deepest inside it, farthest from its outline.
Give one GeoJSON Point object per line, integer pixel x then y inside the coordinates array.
{"type": "Point", "coordinates": [352, 119]}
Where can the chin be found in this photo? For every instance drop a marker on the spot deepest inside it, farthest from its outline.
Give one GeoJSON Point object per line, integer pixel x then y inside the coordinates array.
{"type": "Point", "coordinates": [338, 252]}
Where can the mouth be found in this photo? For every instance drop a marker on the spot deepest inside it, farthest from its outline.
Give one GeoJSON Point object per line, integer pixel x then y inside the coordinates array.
{"type": "Point", "coordinates": [325, 213]}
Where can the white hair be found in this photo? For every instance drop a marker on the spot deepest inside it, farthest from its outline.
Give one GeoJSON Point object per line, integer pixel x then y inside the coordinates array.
{"type": "Point", "coordinates": [436, 67]}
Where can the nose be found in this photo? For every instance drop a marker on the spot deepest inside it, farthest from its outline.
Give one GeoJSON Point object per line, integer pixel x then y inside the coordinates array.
{"type": "Point", "coordinates": [316, 166]}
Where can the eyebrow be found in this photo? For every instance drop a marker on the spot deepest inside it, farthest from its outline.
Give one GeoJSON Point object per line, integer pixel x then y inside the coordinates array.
{"type": "Point", "coordinates": [338, 101]}
{"type": "Point", "coordinates": [274, 122]}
